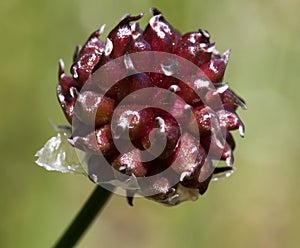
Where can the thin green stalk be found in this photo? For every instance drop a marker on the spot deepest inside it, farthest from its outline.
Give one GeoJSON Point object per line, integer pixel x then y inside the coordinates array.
{"type": "Point", "coordinates": [84, 218]}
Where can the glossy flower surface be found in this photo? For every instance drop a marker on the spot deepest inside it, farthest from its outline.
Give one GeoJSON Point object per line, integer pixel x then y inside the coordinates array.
{"type": "Point", "coordinates": [159, 113]}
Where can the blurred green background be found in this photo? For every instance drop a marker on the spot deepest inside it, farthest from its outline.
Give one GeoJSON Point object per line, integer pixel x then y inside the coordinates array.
{"type": "Point", "coordinates": [258, 206]}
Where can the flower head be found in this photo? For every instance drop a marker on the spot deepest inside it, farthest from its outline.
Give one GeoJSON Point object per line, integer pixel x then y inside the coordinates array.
{"type": "Point", "coordinates": [152, 104]}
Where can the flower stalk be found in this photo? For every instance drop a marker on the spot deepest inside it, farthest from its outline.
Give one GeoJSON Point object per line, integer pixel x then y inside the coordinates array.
{"type": "Point", "coordinates": [84, 218]}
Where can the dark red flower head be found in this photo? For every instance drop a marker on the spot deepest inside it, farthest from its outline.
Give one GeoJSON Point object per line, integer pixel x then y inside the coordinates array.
{"type": "Point", "coordinates": [184, 127]}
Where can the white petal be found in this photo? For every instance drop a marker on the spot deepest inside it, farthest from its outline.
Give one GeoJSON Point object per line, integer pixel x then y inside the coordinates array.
{"type": "Point", "coordinates": [59, 155]}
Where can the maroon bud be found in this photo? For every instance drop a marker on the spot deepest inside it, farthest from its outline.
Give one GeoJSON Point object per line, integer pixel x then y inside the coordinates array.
{"type": "Point", "coordinates": [189, 51]}
{"type": "Point", "coordinates": [130, 164]}
{"type": "Point", "coordinates": [136, 122]}
{"type": "Point", "coordinates": [205, 119]}
{"type": "Point", "coordinates": [166, 129]}
{"type": "Point", "coordinates": [136, 42]}
{"type": "Point", "coordinates": [97, 142]}
{"type": "Point", "coordinates": [188, 158]}
{"type": "Point", "coordinates": [83, 67]}
{"type": "Point", "coordinates": [229, 120]}
{"type": "Point", "coordinates": [93, 44]}
{"type": "Point", "coordinates": [231, 100]}
{"type": "Point", "coordinates": [66, 92]}
{"type": "Point", "coordinates": [201, 36]}
{"type": "Point", "coordinates": [160, 34]}
{"type": "Point", "coordinates": [94, 109]}
{"type": "Point", "coordinates": [215, 68]}
{"type": "Point", "coordinates": [121, 35]}
{"type": "Point", "coordinates": [196, 48]}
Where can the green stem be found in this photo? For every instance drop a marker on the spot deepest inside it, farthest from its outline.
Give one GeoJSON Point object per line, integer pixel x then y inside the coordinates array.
{"type": "Point", "coordinates": [84, 218]}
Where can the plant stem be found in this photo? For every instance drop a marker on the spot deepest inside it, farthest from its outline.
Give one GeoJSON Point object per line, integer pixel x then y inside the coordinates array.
{"type": "Point", "coordinates": [84, 218]}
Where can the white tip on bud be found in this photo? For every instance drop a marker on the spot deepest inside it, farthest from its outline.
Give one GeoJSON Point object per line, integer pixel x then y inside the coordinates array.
{"type": "Point", "coordinates": [101, 29]}
{"type": "Point", "coordinates": [242, 130]}
{"type": "Point", "coordinates": [108, 47]}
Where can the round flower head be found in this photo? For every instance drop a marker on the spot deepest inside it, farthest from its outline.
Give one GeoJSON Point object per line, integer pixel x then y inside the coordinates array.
{"type": "Point", "coordinates": [149, 110]}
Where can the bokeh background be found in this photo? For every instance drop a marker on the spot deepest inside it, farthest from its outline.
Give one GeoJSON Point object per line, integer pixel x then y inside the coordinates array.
{"type": "Point", "coordinates": [258, 206]}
